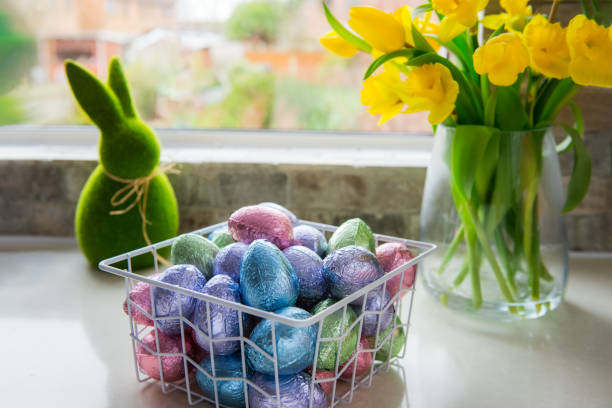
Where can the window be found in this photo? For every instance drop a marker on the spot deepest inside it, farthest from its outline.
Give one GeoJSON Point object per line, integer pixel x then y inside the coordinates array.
{"type": "Point", "coordinates": [253, 64]}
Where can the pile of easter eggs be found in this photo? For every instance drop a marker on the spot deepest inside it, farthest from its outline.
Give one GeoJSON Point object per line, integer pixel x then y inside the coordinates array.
{"type": "Point", "coordinates": [267, 260]}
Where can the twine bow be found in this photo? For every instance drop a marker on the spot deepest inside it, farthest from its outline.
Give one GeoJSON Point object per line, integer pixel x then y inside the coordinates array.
{"type": "Point", "coordinates": [138, 188]}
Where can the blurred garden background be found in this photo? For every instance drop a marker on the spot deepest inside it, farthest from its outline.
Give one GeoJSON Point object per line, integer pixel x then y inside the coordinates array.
{"type": "Point", "coordinates": [249, 64]}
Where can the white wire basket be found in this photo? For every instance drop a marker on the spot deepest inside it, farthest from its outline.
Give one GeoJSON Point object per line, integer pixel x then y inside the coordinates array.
{"type": "Point", "coordinates": [342, 388]}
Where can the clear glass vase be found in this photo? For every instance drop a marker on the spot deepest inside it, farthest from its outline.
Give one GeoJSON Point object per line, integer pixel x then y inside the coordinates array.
{"type": "Point", "coordinates": [497, 219]}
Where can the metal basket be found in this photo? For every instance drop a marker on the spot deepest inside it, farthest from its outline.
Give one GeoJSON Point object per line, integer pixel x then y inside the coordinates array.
{"type": "Point", "coordinates": [342, 389]}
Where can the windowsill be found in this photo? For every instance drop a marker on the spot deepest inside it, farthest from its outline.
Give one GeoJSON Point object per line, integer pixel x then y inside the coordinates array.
{"type": "Point", "coordinates": [30, 142]}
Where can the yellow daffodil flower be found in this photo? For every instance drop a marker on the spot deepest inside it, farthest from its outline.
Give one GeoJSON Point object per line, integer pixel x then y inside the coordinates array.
{"type": "Point", "coordinates": [590, 47]}
{"type": "Point", "coordinates": [379, 29]}
{"type": "Point", "coordinates": [503, 58]}
{"type": "Point", "coordinates": [514, 18]}
{"type": "Point", "coordinates": [336, 44]}
{"type": "Point", "coordinates": [459, 15]}
{"type": "Point", "coordinates": [430, 87]}
{"type": "Point", "coordinates": [547, 47]}
{"type": "Point", "coordinates": [379, 93]}
{"type": "Point", "coordinates": [424, 24]}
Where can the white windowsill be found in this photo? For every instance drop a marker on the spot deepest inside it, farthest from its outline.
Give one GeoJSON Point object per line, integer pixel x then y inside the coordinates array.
{"type": "Point", "coordinates": [28, 142]}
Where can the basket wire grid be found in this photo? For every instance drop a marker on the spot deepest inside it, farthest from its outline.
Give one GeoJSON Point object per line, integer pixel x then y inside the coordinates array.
{"type": "Point", "coordinates": [343, 389]}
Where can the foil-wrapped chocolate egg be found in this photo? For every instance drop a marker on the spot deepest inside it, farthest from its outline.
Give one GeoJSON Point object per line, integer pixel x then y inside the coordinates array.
{"type": "Point", "coordinates": [352, 232]}
{"type": "Point", "coordinates": [364, 361]}
{"type": "Point", "coordinates": [377, 301]}
{"type": "Point", "coordinates": [294, 220]}
{"type": "Point", "coordinates": [295, 346]}
{"type": "Point", "coordinates": [193, 249]}
{"type": "Point", "coordinates": [173, 367]}
{"type": "Point", "coordinates": [307, 265]}
{"type": "Point", "coordinates": [310, 237]}
{"type": "Point", "coordinates": [349, 269]}
{"type": "Point", "coordinates": [393, 255]}
{"type": "Point", "coordinates": [326, 386]}
{"type": "Point", "coordinates": [335, 326]}
{"type": "Point", "coordinates": [259, 222]}
{"type": "Point", "coordinates": [224, 320]}
{"type": "Point", "coordinates": [267, 279]}
{"type": "Point", "coordinates": [229, 392]}
{"type": "Point", "coordinates": [399, 340]}
{"type": "Point", "coordinates": [228, 260]}
{"type": "Point", "coordinates": [294, 392]}
{"type": "Point", "coordinates": [166, 301]}
{"type": "Point", "coordinates": [139, 295]}
{"type": "Point", "coordinates": [221, 237]}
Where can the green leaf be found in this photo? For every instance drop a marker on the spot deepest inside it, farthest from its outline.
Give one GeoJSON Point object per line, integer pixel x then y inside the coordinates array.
{"type": "Point", "coordinates": [486, 166]}
{"type": "Point", "coordinates": [565, 145]}
{"type": "Point", "coordinates": [555, 96]}
{"type": "Point", "coordinates": [404, 53]}
{"type": "Point", "coordinates": [504, 185]}
{"type": "Point", "coordinates": [422, 9]}
{"type": "Point", "coordinates": [581, 173]}
{"type": "Point", "coordinates": [469, 145]}
{"type": "Point", "coordinates": [344, 33]}
{"type": "Point", "coordinates": [510, 113]}
{"type": "Point", "coordinates": [420, 43]}
{"type": "Point", "coordinates": [489, 112]}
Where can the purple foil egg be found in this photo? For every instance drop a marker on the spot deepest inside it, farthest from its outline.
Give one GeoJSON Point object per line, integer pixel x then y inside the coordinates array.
{"type": "Point", "coordinates": [173, 367]}
{"type": "Point", "coordinates": [228, 260]}
{"type": "Point", "coordinates": [349, 269]}
{"type": "Point", "coordinates": [310, 237]}
{"type": "Point", "coordinates": [307, 265]}
{"type": "Point", "coordinates": [166, 301]}
{"type": "Point", "coordinates": [259, 222]}
{"type": "Point", "coordinates": [393, 255]}
{"type": "Point", "coordinates": [294, 220]}
{"type": "Point", "coordinates": [294, 392]}
{"type": "Point", "coordinates": [224, 320]}
{"type": "Point", "coordinates": [376, 302]}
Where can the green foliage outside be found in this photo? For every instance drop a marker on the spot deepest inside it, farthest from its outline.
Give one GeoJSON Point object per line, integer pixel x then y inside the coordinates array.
{"type": "Point", "coordinates": [256, 20]}
{"type": "Point", "coordinates": [17, 54]}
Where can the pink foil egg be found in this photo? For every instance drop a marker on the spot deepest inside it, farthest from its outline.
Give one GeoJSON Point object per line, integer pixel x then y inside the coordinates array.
{"type": "Point", "coordinates": [258, 222]}
{"type": "Point", "coordinates": [327, 386]}
{"type": "Point", "coordinates": [140, 294]}
{"type": "Point", "coordinates": [173, 367]}
{"type": "Point", "coordinates": [392, 255]}
{"type": "Point", "coordinates": [364, 361]}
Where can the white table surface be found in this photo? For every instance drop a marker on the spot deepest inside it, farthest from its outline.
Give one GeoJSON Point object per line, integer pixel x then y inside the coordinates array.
{"type": "Point", "coordinates": [64, 343]}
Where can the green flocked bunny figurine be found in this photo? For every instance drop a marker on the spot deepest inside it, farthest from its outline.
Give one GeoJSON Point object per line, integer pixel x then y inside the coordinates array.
{"type": "Point", "coordinates": [128, 201]}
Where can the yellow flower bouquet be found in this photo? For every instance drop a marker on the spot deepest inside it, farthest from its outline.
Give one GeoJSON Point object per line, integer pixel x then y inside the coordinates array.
{"type": "Point", "coordinates": [494, 101]}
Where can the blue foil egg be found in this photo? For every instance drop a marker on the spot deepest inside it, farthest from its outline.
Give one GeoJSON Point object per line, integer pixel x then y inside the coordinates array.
{"type": "Point", "coordinates": [224, 320]}
{"type": "Point", "coordinates": [229, 392]}
{"type": "Point", "coordinates": [349, 269]}
{"type": "Point", "coordinates": [294, 392]}
{"type": "Point", "coordinates": [294, 220]}
{"type": "Point", "coordinates": [267, 279]}
{"type": "Point", "coordinates": [228, 260]}
{"type": "Point", "coordinates": [166, 302]}
{"type": "Point", "coordinates": [307, 265]}
{"type": "Point", "coordinates": [310, 237]}
{"type": "Point", "coordinates": [376, 301]}
{"type": "Point", "coordinates": [295, 347]}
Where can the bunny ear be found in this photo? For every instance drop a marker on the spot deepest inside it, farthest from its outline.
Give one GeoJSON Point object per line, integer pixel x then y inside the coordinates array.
{"type": "Point", "coordinates": [119, 85]}
{"type": "Point", "coordinates": [94, 97]}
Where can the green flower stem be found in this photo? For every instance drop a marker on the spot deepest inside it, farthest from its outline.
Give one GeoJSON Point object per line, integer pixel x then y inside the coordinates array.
{"type": "Point", "coordinates": [506, 259]}
{"type": "Point", "coordinates": [465, 268]}
{"type": "Point", "coordinates": [452, 248]}
{"type": "Point", "coordinates": [533, 263]}
{"type": "Point", "coordinates": [474, 268]}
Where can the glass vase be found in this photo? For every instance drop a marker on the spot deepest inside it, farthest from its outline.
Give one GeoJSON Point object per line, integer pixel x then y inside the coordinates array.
{"type": "Point", "coordinates": [495, 212]}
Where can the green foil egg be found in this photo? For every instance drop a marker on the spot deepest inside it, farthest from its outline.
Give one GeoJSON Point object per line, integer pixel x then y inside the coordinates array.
{"type": "Point", "coordinates": [193, 249]}
{"type": "Point", "coordinates": [333, 327]}
{"type": "Point", "coordinates": [399, 339]}
{"type": "Point", "coordinates": [352, 232]}
{"type": "Point", "coordinates": [221, 237]}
